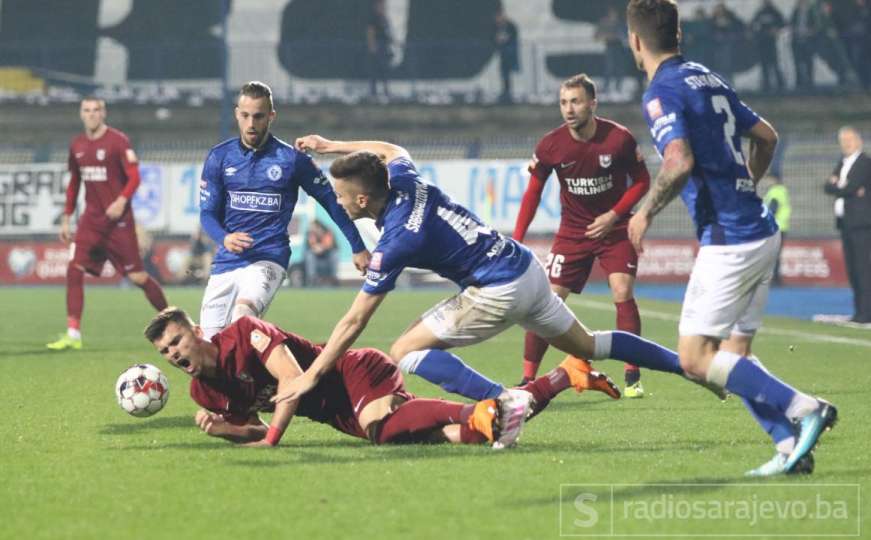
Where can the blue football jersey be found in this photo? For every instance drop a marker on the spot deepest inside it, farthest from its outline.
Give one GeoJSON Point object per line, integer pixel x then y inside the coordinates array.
{"type": "Point", "coordinates": [686, 100]}
{"type": "Point", "coordinates": [423, 228]}
{"type": "Point", "coordinates": [255, 191]}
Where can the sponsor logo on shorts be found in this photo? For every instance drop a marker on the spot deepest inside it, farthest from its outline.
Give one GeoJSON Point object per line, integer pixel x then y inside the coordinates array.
{"type": "Point", "coordinates": [255, 202]}
{"type": "Point", "coordinates": [375, 262]}
{"type": "Point", "coordinates": [274, 173]}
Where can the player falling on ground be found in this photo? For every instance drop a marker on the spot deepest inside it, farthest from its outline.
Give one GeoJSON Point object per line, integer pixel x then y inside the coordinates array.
{"type": "Point", "coordinates": [103, 159]}
{"type": "Point", "coordinates": [501, 281]}
{"type": "Point", "coordinates": [241, 368]}
{"type": "Point", "coordinates": [697, 122]}
{"type": "Point", "coordinates": [250, 185]}
{"type": "Point", "coordinates": [593, 158]}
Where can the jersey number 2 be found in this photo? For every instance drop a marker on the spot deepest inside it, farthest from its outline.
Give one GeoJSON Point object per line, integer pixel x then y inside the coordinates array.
{"type": "Point", "coordinates": [721, 105]}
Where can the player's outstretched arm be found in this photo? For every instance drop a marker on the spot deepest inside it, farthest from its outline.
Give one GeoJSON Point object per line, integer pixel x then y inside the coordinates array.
{"type": "Point", "coordinates": [216, 425]}
{"type": "Point", "coordinates": [346, 332]}
{"type": "Point", "coordinates": [528, 206]}
{"type": "Point", "coordinates": [763, 142]}
{"type": "Point", "coordinates": [282, 365]}
{"type": "Point", "coordinates": [385, 150]}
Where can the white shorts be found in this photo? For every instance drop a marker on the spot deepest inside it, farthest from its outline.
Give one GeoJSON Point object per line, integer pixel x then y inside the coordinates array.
{"type": "Point", "coordinates": [728, 289]}
{"type": "Point", "coordinates": [258, 282]}
{"type": "Point", "coordinates": [479, 313]}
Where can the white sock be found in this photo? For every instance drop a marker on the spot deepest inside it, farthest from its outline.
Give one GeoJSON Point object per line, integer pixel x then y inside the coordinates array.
{"type": "Point", "coordinates": [602, 345]}
{"type": "Point", "coordinates": [786, 446]}
{"type": "Point", "coordinates": [721, 366]}
{"type": "Point", "coordinates": [74, 333]}
{"type": "Point", "coordinates": [801, 406]}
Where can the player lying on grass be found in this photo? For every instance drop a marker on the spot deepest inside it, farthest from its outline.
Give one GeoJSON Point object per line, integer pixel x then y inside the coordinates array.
{"type": "Point", "coordinates": [241, 368]}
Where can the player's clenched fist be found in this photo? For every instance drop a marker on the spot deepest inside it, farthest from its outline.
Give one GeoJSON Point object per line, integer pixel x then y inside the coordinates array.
{"type": "Point", "coordinates": [238, 242]}
{"type": "Point", "coordinates": [314, 143]}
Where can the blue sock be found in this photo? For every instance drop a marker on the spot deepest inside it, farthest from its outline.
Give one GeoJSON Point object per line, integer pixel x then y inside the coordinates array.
{"type": "Point", "coordinates": [754, 383]}
{"type": "Point", "coordinates": [448, 371]}
{"type": "Point", "coordinates": [774, 422]}
{"type": "Point", "coordinates": [641, 352]}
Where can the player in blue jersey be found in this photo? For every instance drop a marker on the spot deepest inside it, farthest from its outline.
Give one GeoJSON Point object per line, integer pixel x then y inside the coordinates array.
{"type": "Point", "coordinates": [501, 281]}
{"type": "Point", "coordinates": [249, 188]}
{"type": "Point", "coordinates": [697, 123]}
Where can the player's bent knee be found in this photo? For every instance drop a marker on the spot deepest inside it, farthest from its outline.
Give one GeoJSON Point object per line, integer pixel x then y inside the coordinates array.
{"type": "Point", "coordinates": [138, 278]}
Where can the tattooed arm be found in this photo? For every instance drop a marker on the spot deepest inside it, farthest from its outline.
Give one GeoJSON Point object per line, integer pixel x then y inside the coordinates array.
{"type": "Point", "coordinates": [677, 164]}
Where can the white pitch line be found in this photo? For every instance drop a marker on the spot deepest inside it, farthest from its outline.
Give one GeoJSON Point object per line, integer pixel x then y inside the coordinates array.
{"type": "Point", "coordinates": [798, 334]}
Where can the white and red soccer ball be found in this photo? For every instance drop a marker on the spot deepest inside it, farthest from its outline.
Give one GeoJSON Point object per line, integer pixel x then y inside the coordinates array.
{"type": "Point", "coordinates": [142, 390]}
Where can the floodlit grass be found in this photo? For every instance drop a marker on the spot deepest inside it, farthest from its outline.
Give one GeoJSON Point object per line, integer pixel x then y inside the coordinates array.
{"type": "Point", "coordinates": [74, 465]}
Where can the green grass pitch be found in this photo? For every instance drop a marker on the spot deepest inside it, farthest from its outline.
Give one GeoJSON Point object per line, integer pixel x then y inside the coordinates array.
{"type": "Point", "coordinates": [74, 465]}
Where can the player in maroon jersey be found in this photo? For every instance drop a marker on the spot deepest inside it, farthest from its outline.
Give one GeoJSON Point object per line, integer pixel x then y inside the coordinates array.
{"type": "Point", "coordinates": [102, 158]}
{"type": "Point", "coordinates": [237, 373]}
{"type": "Point", "coordinates": [593, 158]}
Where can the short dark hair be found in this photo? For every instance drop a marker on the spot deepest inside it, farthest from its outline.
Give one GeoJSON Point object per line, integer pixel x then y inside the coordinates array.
{"type": "Point", "coordinates": [257, 90]}
{"type": "Point", "coordinates": [158, 324]}
{"type": "Point", "coordinates": [656, 22]}
{"type": "Point", "coordinates": [365, 169]}
{"type": "Point", "coordinates": [581, 80]}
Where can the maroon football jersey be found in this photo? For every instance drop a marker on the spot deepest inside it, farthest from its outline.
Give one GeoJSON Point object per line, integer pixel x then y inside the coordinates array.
{"type": "Point", "coordinates": [593, 175]}
{"type": "Point", "coordinates": [244, 386]}
{"type": "Point", "coordinates": [100, 165]}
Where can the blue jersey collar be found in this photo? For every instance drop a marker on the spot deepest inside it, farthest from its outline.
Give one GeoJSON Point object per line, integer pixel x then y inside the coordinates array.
{"type": "Point", "coordinates": [668, 62]}
{"type": "Point", "coordinates": [263, 147]}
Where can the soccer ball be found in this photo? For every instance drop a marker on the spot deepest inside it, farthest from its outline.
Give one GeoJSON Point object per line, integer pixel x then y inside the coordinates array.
{"type": "Point", "coordinates": [142, 390]}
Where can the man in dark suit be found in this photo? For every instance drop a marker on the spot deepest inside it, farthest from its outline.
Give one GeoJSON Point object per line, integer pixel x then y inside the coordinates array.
{"type": "Point", "coordinates": [851, 183]}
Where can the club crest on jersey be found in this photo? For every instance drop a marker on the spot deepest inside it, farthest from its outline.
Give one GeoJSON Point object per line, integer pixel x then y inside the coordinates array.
{"type": "Point", "coordinates": [274, 173]}
{"type": "Point", "coordinates": [229, 171]}
{"type": "Point", "coordinates": [605, 160]}
{"type": "Point", "coordinates": [101, 154]}
{"type": "Point", "coordinates": [259, 340]}
{"type": "Point", "coordinates": [654, 108]}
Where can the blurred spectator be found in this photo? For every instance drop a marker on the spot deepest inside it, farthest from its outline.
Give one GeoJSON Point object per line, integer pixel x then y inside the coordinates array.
{"type": "Point", "coordinates": [854, 24]}
{"type": "Point", "coordinates": [805, 25]}
{"type": "Point", "coordinates": [506, 41]}
{"type": "Point", "coordinates": [697, 37]}
{"type": "Point", "coordinates": [829, 45]}
{"type": "Point", "coordinates": [610, 31]}
{"type": "Point", "coordinates": [200, 260]}
{"type": "Point", "coordinates": [727, 31]}
{"type": "Point", "coordinates": [766, 26]}
{"type": "Point", "coordinates": [146, 252]}
{"type": "Point", "coordinates": [379, 42]}
{"type": "Point", "coordinates": [321, 256]}
{"type": "Point", "coordinates": [851, 183]}
{"type": "Point", "coordinates": [777, 201]}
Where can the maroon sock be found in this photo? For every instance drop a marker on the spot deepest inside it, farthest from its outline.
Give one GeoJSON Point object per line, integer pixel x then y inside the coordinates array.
{"type": "Point", "coordinates": [415, 420]}
{"type": "Point", "coordinates": [75, 296]}
{"type": "Point", "coordinates": [154, 293]}
{"type": "Point", "coordinates": [533, 351]}
{"type": "Point", "coordinates": [546, 387]}
{"type": "Point", "coordinates": [629, 320]}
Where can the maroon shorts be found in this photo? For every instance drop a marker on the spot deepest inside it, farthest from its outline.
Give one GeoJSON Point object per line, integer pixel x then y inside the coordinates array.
{"type": "Point", "coordinates": [97, 239]}
{"type": "Point", "coordinates": [571, 259]}
{"type": "Point", "coordinates": [368, 374]}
